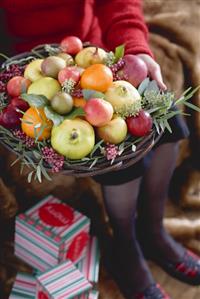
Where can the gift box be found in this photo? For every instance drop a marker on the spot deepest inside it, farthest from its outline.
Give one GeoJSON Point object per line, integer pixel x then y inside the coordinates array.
{"type": "Point", "coordinates": [89, 265]}
{"type": "Point", "coordinates": [63, 281]}
{"type": "Point", "coordinates": [93, 294]}
{"type": "Point", "coordinates": [49, 233]}
{"type": "Point", "coordinates": [24, 287]}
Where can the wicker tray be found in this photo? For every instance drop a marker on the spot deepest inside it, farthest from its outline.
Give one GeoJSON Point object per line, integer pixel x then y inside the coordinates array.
{"type": "Point", "coordinates": [127, 158]}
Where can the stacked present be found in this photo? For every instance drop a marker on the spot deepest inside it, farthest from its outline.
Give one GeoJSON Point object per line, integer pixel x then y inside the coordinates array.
{"type": "Point", "coordinates": [54, 239]}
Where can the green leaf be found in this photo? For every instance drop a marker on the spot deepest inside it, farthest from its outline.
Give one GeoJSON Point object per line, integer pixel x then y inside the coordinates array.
{"type": "Point", "coordinates": [143, 86]}
{"type": "Point", "coordinates": [39, 174]}
{"type": "Point", "coordinates": [35, 100]}
{"type": "Point", "coordinates": [119, 52]}
{"type": "Point", "coordinates": [167, 126]}
{"type": "Point", "coordinates": [90, 93]}
{"type": "Point", "coordinates": [192, 106]}
{"type": "Point", "coordinates": [97, 145]}
{"type": "Point", "coordinates": [75, 113]}
{"type": "Point", "coordinates": [45, 174]}
{"type": "Point", "coordinates": [52, 115]}
{"type": "Point", "coordinates": [93, 163]}
{"type": "Point", "coordinates": [133, 147]}
{"type": "Point", "coordinates": [29, 178]}
{"type": "Point", "coordinates": [152, 86]}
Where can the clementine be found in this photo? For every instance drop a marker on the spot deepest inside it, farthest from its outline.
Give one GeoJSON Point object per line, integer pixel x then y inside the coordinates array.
{"type": "Point", "coordinates": [35, 124]}
{"type": "Point", "coordinates": [79, 102]}
{"type": "Point", "coordinates": [98, 77]}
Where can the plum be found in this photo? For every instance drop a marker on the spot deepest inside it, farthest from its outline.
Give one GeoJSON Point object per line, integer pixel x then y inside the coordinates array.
{"type": "Point", "coordinates": [134, 70]}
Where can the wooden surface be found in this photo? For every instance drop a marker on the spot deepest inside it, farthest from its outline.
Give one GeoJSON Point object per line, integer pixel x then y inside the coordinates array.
{"type": "Point", "coordinates": [176, 289]}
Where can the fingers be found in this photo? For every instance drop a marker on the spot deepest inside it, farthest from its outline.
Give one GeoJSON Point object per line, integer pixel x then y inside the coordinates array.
{"type": "Point", "coordinates": [154, 70]}
{"type": "Point", "coordinates": [156, 75]}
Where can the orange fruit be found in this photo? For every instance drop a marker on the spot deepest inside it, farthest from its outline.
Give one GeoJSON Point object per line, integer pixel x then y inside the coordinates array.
{"type": "Point", "coordinates": [35, 124]}
{"type": "Point", "coordinates": [98, 77]}
{"type": "Point", "coordinates": [79, 102]}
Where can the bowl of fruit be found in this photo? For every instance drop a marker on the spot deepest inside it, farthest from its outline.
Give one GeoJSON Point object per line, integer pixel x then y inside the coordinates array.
{"type": "Point", "coordinates": [80, 110]}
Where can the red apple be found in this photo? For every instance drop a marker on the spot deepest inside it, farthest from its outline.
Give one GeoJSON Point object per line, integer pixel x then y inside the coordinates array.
{"type": "Point", "coordinates": [139, 125]}
{"type": "Point", "coordinates": [17, 85]}
{"type": "Point", "coordinates": [10, 118]}
{"type": "Point", "coordinates": [71, 45]}
{"type": "Point", "coordinates": [98, 112]}
{"type": "Point", "coordinates": [19, 103]}
{"type": "Point", "coordinates": [134, 70]}
{"type": "Point", "coordinates": [70, 72]}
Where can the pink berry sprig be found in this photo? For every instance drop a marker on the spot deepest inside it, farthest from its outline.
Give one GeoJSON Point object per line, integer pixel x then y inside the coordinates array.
{"type": "Point", "coordinates": [77, 92]}
{"type": "Point", "coordinates": [116, 67]}
{"type": "Point", "coordinates": [12, 71]}
{"type": "Point", "coordinates": [55, 160]}
{"type": "Point", "coordinates": [28, 141]}
{"type": "Point", "coordinates": [111, 151]}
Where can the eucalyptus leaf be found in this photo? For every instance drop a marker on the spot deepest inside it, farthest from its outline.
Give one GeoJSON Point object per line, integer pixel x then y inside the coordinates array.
{"type": "Point", "coordinates": [143, 86]}
{"type": "Point", "coordinates": [97, 145]}
{"type": "Point", "coordinates": [30, 176]}
{"type": "Point", "coordinates": [90, 93]}
{"type": "Point", "coordinates": [119, 52]}
{"type": "Point", "coordinates": [133, 147]}
{"type": "Point", "coordinates": [192, 106]}
{"type": "Point", "coordinates": [152, 86]}
{"type": "Point", "coordinates": [56, 118]}
{"type": "Point", "coordinates": [35, 100]}
{"type": "Point", "coordinates": [39, 174]}
{"type": "Point", "coordinates": [167, 126]}
{"type": "Point", "coordinates": [75, 113]}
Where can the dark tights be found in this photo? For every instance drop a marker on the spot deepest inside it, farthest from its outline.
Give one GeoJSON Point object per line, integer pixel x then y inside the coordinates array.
{"type": "Point", "coordinates": [121, 203]}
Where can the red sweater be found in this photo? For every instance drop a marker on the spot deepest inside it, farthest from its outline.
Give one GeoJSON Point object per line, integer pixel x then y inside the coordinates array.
{"type": "Point", "coordinates": [106, 23]}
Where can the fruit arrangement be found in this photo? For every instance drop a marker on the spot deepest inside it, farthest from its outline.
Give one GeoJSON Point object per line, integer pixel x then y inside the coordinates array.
{"type": "Point", "coordinates": [81, 110]}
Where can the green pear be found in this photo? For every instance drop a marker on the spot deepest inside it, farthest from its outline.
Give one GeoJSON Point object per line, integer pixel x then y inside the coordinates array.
{"type": "Point", "coordinates": [73, 138]}
{"type": "Point", "coordinates": [45, 86]}
{"type": "Point", "coordinates": [33, 70]}
{"type": "Point", "coordinates": [113, 132]}
{"type": "Point", "coordinates": [89, 56]}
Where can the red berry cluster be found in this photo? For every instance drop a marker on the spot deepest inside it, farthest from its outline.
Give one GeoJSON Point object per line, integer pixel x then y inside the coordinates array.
{"type": "Point", "coordinates": [55, 160]}
{"type": "Point", "coordinates": [111, 151]}
{"type": "Point", "coordinates": [77, 92]}
{"type": "Point", "coordinates": [116, 67]}
{"type": "Point", "coordinates": [12, 71]}
{"type": "Point", "coordinates": [28, 141]}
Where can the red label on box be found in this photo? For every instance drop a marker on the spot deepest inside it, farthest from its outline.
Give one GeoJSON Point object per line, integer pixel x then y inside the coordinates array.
{"type": "Point", "coordinates": [77, 246]}
{"type": "Point", "coordinates": [42, 295]}
{"type": "Point", "coordinates": [56, 214]}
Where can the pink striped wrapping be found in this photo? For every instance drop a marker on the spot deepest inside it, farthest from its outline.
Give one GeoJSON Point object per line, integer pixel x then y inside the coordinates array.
{"type": "Point", "coordinates": [48, 243]}
{"type": "Point", "coordinates": [24, 286]}
{"type": "Point", "coordinates": [89, 265]}
{"type": "Point", "coordinates": [63, 281]}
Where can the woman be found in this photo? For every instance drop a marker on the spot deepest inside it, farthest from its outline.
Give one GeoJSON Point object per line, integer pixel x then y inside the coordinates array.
{"type": "Point", "coordinates": [109, 23]}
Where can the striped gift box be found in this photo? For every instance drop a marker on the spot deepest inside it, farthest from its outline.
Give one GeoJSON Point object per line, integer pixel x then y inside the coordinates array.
{"type": "Point", "coordinates": [24, 287]}
{"type": "Point", "coordinates": [93, 294]}
{"type": "Point", "coordinates": [64, 281]}
{"type": "Point", "coordinates": [89, 265]}
{"type": "Point", "coordinates": [50, 233]}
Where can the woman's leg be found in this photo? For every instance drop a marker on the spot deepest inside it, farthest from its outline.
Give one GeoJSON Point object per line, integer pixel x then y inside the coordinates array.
{"type": "Point", "coordinates": [121, 202]}
{"type": "Point", "coordinates": [153, 195]}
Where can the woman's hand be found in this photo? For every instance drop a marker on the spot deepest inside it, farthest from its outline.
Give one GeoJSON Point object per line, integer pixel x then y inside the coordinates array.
{"type": "Point", "coordinates": [153, 69]}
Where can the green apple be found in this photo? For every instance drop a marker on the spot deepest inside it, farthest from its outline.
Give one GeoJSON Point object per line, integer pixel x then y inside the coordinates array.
{"type": "Point", "coordinates": [62, 102]}
{"type": "Point", "coordinates": [89, 56]}
{"type": "Point", "coordinates": [124, 98]}
{"type": "Point", "coordinates": [113, 132]}
{"type": "Point", "coordinates": [45, 86]}
{"type": "Point", "coordinates": [33, 70]}
{"type": "Point", "coordinates": [73, 138]}
{"type": "Point", "coordinates": [52, 65]}
{"type": "Point", "coordinates": [67, 58]}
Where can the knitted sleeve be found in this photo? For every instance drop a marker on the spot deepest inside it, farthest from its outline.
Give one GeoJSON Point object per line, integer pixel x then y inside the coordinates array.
{"type": "Point", "coordinates": [122, 22]}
